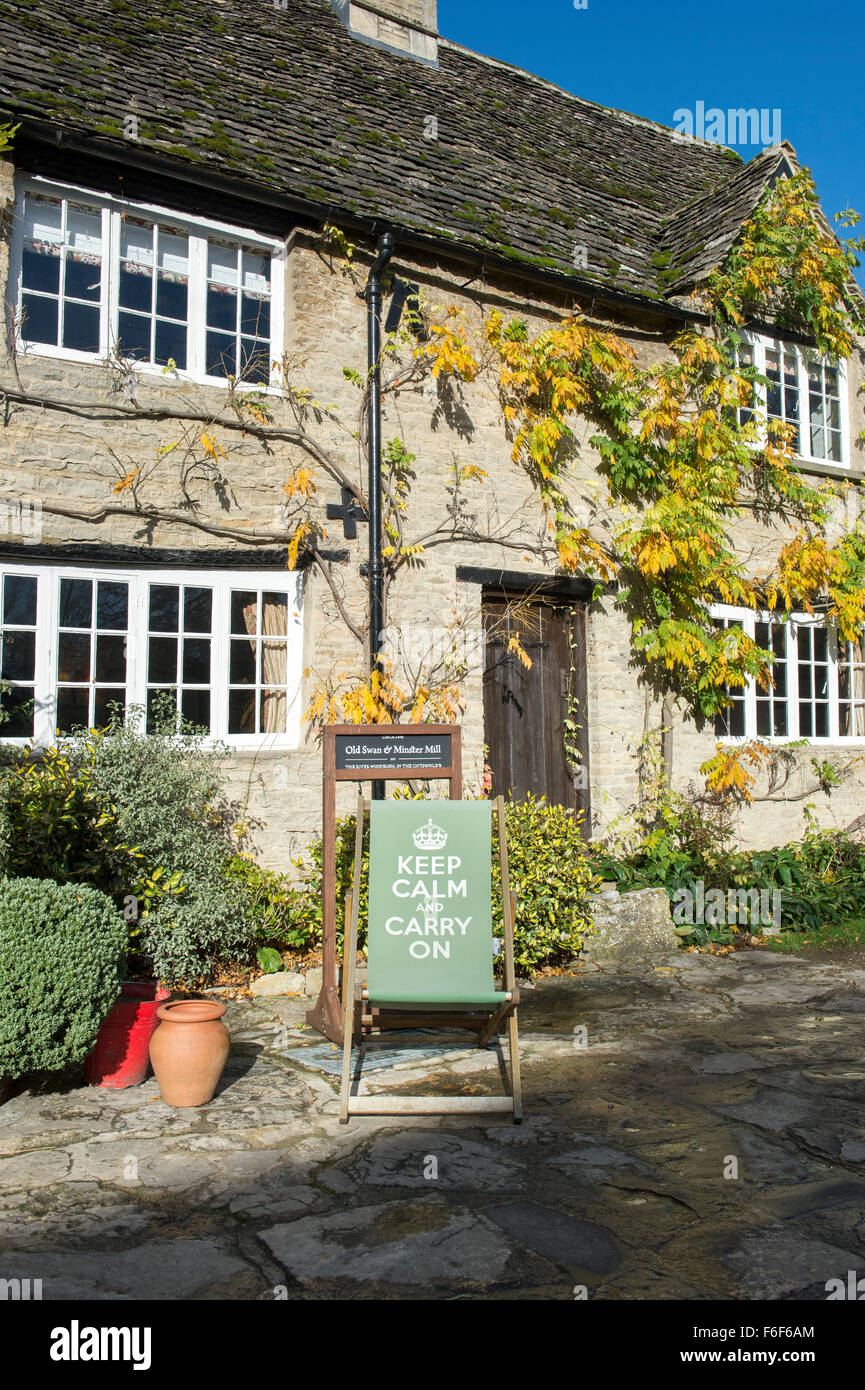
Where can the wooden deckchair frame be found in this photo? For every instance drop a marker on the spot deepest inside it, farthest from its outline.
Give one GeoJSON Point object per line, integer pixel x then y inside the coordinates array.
{"type": "Point", "coordinates": [355, 1019]}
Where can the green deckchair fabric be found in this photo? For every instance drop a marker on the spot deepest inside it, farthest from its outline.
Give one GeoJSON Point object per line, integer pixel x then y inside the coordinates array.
{"type": "Point", "coordinates": [430, 924]}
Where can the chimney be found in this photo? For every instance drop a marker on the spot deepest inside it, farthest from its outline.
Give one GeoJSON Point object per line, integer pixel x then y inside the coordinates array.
{"type": "Point", "coordinates": [401, 26]}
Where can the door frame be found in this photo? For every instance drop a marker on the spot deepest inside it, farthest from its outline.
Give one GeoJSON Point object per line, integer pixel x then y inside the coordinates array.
{"type": "Point", "coordinates": [566, 592]}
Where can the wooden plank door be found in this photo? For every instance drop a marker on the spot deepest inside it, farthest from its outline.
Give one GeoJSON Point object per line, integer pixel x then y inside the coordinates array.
{"type": "Point", "coordinates": [526, 709]}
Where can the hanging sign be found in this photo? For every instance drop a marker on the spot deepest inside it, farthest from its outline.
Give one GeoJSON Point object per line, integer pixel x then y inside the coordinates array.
{"type": "Point", "coordinates": [365, 752]}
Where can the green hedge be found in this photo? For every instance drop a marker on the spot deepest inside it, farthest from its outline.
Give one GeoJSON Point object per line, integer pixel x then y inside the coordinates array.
{"type": "Point", "coordinates": [61, 956]}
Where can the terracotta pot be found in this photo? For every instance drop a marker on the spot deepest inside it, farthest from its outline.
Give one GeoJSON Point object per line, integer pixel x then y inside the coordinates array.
{"type": "Point", "coordinates": [188, 1050]}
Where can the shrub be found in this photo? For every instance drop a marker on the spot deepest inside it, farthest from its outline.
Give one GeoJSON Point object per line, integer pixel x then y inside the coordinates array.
{"type": "Point", "coordinates": [61, 951]}
{"type": "Point", "coordinates": [306, 891]}
{"type": "Point", "coordinates": [166, 791]}
{"type": "Point", "coordinates": [549, 871]}
{"type": "Point", "coordinates": [271, 903]}
{"type": "Point", "coordinates": [56, 826]}
{"type": "Point", "coordinates": [552, 877]}
{"type": "Point", "coordinates": [677, 839]}
{"type": "Point", "coordinates": [144, 818]}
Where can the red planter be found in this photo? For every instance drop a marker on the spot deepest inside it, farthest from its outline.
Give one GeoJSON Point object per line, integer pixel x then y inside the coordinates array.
{"type": "Point", "coordinates": [122, 1052]}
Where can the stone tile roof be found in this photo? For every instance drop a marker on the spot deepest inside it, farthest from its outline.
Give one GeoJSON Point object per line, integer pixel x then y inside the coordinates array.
{"type": "Point", "coordinates": [287, 100]}
{"type": "Point", "coordinates": [698, 234]}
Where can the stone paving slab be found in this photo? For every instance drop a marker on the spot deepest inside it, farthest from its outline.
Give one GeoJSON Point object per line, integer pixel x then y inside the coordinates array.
{"type": "Point", "coordinates": [693, 1129]}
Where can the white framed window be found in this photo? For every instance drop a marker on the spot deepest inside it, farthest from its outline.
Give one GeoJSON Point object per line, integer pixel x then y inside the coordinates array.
{"type": "Point", "coordinates": [223, 647]}
{"type": "Point", "coordinates": [802, 390]}
{"type": "Point", "coordinates": [92, 274]}
{"type": "Point", "coordinates": [819, 682]}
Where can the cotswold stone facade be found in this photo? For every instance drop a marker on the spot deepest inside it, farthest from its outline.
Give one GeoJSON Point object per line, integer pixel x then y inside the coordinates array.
{"type": "Point", "coordinates": [74, 425]}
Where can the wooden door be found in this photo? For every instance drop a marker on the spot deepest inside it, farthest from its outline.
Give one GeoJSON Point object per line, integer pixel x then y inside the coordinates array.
{"type": "Point", "coordinates": [535, 718]}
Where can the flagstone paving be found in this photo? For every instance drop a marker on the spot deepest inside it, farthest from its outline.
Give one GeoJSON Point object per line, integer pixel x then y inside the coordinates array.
{"type": "Point", "coordinates": [707, 1141]}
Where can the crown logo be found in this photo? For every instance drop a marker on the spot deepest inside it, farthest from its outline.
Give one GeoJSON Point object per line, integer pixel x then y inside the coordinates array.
{"type": "Point", "coordinates": [430, 836]}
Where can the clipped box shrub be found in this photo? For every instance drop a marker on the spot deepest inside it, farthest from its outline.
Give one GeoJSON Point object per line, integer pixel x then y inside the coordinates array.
{"type": "Point", "coordinates": [61, 955]}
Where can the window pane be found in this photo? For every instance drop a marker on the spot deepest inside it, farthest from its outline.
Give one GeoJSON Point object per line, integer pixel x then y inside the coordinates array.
{"type": "Point", "coordinates": [84, 230]}
{"type": "Point", "coordinates": [274, 662]}
{"type": "Point", "coordinates": [19, 657]}
{"type": "Point", "coordinates": [104, 698]}
{"type": "Point", "coordinates": [255, 361]}
{"type": "Point", "coordinates": [222, 309]}
{"type": "Point", "coordinates": [244, 605]}
{"type": "Point", "coordinates": [221, 356]}
{"type": "Point", "coordinates": [18, 705]}
{"type": "Point", "coordinates": [133, 335]}
{"type": "Point", "coordinates": [111, 659]}
{"type": "Point", "coordinates": [164, 607]}
{"type": "Point", "coordinates": [43, 217]}
{"type": "Point", "coordinates": [136, 288]}
{"type": "Point", "coordinates": [73, 662]}
{"type": "Point", "coordinates": [254, 316]}
{"type": "Point", "coordinates": [242, 665]}
{"type": "Point", "coordinates": [173, 255]}
{"type": "Point", "coordinates": [40, 267]}
{"type": "Point", "coordinates": [273, 708]}
{"type": "Point", "coordinates": [136, 242]}
{"type": "Point", "coordinates": [80, 327]}
{"type": "Point", "coordinates": [222, 263]}
{"type": "Point", "coordinates": [195, 706]}
{"type": "Point", "coordinates": [162, 663]}
{"type": "Point", "coordinates": [112, 605]}
{"type": "Point", "coordinates": [160, 704]}
{"type": "Point", "coordinates": [170, 344]}
{"type": "Point", "coordinates": [19, 599]}
{"type": "Point", "coordinates": [171, 297]}
{"type": "Point", "coordinates": [241, 712]}
{"type": "Point", "coordinates": [197, 608]}
{"type": "Point", "coordinates": [73, 709]}
{"type": "Point", "coordinates": [83, 278]}
{"type": "Point", "coordinates": [196, 660]}
{"type": "Point", "coordinates": [40, 319]}
{"type": "Point", "coordinates": [256, 271]}
{"type": "Point", "coordinates": [76, 602]}
{"type": "Point", "coordinates": [275, 615]}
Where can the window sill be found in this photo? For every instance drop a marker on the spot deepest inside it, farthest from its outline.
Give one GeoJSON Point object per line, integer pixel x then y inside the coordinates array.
{"type": "Point", "coordinates": [144, 369]}
{"type": "Point", "coordinates": [854, 741]}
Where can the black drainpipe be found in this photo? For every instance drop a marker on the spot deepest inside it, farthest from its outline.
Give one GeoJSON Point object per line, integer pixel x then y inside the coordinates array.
{"type": "Point", "coordinates": [376, 569]}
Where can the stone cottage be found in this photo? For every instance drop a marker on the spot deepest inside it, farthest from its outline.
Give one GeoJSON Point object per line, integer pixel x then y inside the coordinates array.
{"type": "Point", "coordinates": [194, 193]}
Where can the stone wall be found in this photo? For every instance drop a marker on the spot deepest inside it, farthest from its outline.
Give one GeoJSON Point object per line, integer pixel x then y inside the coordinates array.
{"type": "Point", "coordinates": [70, 459]}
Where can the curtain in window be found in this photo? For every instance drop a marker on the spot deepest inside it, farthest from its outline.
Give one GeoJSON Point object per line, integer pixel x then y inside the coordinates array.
{"type": "Point", "coordinates": [274, 625]}
{"type": "Point", "coordinates": [273, 663]}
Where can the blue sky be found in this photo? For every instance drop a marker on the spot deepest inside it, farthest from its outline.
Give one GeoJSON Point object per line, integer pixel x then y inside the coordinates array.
{"type": "Point", "coordinates": [655, 58]}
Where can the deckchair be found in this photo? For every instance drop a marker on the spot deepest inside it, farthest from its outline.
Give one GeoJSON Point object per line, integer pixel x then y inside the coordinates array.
{"type": "Point", "coordinates": [430, 962]}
